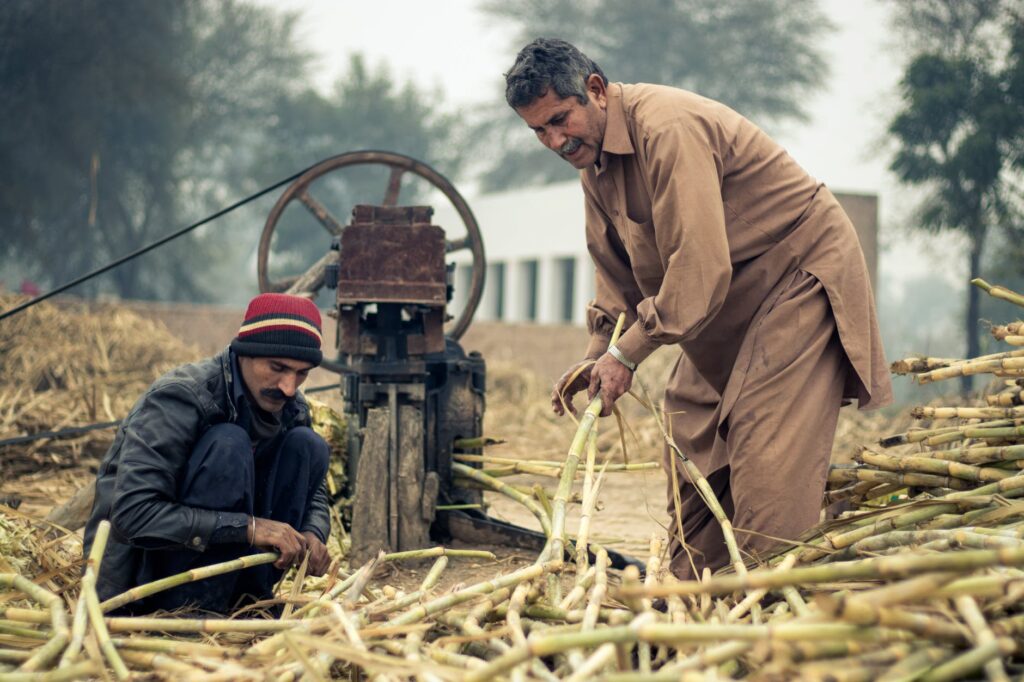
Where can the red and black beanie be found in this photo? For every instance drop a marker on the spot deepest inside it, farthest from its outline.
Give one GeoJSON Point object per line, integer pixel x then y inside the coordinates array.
{"type": "Point", "coordinates": [280, 326]}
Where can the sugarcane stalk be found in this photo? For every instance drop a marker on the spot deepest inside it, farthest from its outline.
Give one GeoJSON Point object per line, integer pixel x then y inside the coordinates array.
{"type": "Point", "coordinates": [439, 551]}
{"type": "Point", "coordinates": [915, 365]}
{"type": "Point", "coordinates": [589, 502]}
{"type": "Point", "coordinates": [355, 590]}
{"type": "Point", "coordinates": [505, 489]}
{"type": "Point", "coordinates": [894, 478]}
{"type": "Point", "coordinates": [58, 619]}
{"type": "Point", "coordinates": [861, 612]}
{"type": "Point", "coordinates": [967, 412]}
{"type": "Point", "coordinates": [541, 496]}
{"type": "Point", "coordinates": [963, 665]}
{"type": "Point", "coordinates": [969, 611]}
{"type": "Point", "coordinates": [916, 664]}
{"type": "Point", "coordinates": [18, 630]}
{"type": "Point", "coordinates": [27, 615]}
{"type": "Point", "coordinates": [507, 470]}
{"type": "Point", "coordinates": [155, 661]}
{"type": "Point", "coordinates": [631, 578]}
{"type": "Point", "coordinates": [77, 671]}
{"type": "Point", "coordinates": [922, 435]}
{"type": "Point", "coordinates": [663, 633]}
{"type": "Point", "coordinates": [177, 647]}
{"type": "Point", "coordinates": [1010, 360]}
{"type": "Point", "coordinates": [979, 455]}
{"type": "Point", "coordinates": [78, 626]}
{"type": "Point", "coordinates": [433, 576]}
{"type": "Point", "coordinates": [190, 576]}
{"type": "Point", "coordinates": [754, 596]}
{"type": "Point", "coordinates": [475, 443]}
{"type": "Point", "coordinates": [92, 602]}
{"type": "Point", "coordinates": [464, 595]}
{"type": "Point", "coordinates": [189, 625]}
{"type": "Point", "coordinates": [546, 464]}
{"type": "Point", "coordinates": [996, 291]}
{"type": "Point", "coordinates": [865, 569]}
{"type": "Point", "coordinates": [593, 609]}
{"type": "Point", "coordinates": [929, 465]}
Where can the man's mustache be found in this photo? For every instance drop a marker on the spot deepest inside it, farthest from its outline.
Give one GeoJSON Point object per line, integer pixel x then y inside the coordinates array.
{"type": "Point", "coordinates": [274, 394]}
{"type": "Point", "coordinates": [571, 145]}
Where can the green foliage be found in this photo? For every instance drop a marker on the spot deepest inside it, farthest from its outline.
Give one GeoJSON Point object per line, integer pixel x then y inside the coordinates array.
{"type": "Point", "coordinates": [960, 132]}
{"type": "Point", "coordinates": [115, 118]}
{"type": "Point", "coordinates": [760, 57]}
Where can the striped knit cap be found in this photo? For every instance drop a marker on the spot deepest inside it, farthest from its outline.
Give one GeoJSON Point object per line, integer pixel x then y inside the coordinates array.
{"type": "Point", "coordinates": [280, 326]}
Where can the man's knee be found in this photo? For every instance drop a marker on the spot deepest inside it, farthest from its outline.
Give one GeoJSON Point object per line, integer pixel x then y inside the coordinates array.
{"type": "Point", "coordinates": [304, 442]}
{"type": "Point", "coordinates": [220, 469]}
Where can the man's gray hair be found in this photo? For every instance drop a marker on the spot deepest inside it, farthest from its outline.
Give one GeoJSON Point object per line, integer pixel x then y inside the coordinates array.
{"type": "Point", "coordinates": [549, 63]}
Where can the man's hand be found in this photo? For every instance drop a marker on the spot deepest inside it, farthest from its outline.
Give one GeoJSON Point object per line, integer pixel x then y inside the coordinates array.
{"type": "Point", "coordinates": [319, 559]}
{"type": "Point", "coordinates": [570, 388]}
{"type": "Point", "coordinates": [290, 543]}
{"type": "Point", "coordinates": [611, 379]}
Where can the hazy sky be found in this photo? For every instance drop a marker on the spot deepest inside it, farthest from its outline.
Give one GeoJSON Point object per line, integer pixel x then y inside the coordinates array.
{"type": "Point", "coordinates": [452, 46]}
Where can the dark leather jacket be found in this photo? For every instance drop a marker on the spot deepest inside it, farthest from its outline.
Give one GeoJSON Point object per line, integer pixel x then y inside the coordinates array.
{"type": "Point", "coordinates": [137, 482]}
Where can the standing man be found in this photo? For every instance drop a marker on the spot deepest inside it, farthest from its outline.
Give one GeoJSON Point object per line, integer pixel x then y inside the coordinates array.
{"type": "Point", "coordinates": [710, 237]}
{"type": "Point", "coordinates": [217, 458]}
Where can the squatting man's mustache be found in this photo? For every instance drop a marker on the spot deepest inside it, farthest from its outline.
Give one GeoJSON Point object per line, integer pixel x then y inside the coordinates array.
{"type": "Point", "coordinates": [274, 394]}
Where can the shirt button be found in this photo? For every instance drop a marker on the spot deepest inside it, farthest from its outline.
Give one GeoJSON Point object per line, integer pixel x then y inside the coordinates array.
{"type": "Point", "coordinates": [197, 541]}
{"type": "Point", "coordinates": [615, 212]}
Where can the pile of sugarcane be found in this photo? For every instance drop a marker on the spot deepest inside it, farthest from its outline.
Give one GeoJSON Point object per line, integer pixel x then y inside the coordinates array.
{"type": "Point", "coordinates": [920, 578]}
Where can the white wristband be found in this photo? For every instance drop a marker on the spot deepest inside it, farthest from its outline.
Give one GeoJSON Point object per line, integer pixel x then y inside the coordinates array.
{"type": "Point", "coordinates": [617, 354]}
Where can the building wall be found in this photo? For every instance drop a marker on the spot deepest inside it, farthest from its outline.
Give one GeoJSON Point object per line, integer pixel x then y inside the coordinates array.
{"type": "Point", "coordinates": [538, 268]}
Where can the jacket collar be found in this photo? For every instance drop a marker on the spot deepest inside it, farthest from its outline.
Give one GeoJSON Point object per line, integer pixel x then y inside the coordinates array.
{"type": "Point", "coordinates": [616, 132]}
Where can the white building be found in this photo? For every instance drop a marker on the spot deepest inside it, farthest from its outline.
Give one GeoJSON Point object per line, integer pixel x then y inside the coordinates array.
{"type": "Point", "coordinates": [538, 268]}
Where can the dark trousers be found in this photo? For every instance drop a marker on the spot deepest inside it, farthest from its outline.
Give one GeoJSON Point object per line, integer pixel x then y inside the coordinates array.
{"type": "Point", "coordinates": [223, 474]}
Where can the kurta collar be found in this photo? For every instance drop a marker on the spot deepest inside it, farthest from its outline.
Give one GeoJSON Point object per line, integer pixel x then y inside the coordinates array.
{"type": "Point", "coordinates": [616, 133]}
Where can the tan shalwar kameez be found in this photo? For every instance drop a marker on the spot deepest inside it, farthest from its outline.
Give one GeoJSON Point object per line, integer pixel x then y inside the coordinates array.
{"type": "Point", "coordinates": [710, 236]}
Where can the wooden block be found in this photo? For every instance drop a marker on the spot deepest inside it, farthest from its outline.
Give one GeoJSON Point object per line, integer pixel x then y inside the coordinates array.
{"type": "Point", "coordinates": [413, 531]}
{"type": "Point", "coordinates": [370, 507]}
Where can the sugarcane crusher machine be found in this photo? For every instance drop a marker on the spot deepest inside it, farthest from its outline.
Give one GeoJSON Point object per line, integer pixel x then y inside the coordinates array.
{"type": "Point", "coordinates": [411, 393]}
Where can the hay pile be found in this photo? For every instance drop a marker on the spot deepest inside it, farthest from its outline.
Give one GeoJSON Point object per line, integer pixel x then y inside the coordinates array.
{"type": "Point", "coordinates": [69, 365]}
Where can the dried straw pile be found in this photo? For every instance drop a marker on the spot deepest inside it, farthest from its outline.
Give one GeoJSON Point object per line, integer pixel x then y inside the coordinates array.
{"type": "Point", "coordinates": [69, 365]}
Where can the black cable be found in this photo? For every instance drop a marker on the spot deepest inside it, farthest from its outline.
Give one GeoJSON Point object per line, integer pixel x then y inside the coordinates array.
{"type": "Point", "coordinates": [73, 431]}
{"type": "Point", "coordinates": [146, 249]}
{"type": "Point", "coordinates": [69, 432]}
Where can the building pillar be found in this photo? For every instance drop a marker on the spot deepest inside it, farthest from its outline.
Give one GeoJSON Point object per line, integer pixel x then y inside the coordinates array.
{"type": "Point", "coordinates": [583, 292]}
{"type": "Point", "coordinates": [548, 291]}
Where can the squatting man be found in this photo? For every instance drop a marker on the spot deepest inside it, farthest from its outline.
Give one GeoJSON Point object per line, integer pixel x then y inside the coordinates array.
{"type": "Point", "coordinates": [710, 237]}
{"type": "Point", "coordinates": [215, 461]}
